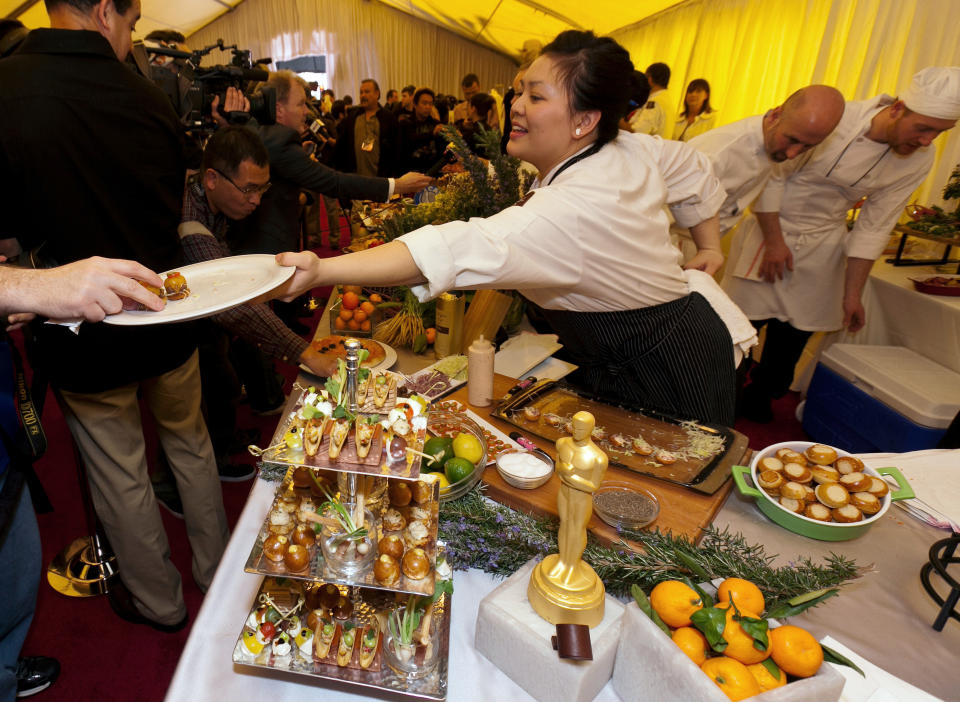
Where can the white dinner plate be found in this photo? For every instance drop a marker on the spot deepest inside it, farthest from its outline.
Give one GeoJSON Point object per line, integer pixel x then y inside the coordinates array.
{"type": "Point", "coordinates": [389, 358]}
{"type": "Point", "coordinates": [520, 353]}
{"type": "Point", "coordinates": [215, 286]}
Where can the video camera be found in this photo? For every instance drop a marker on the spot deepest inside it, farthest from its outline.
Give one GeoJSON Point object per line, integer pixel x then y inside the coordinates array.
{"type": "Point", "coordinates": [191, 88]}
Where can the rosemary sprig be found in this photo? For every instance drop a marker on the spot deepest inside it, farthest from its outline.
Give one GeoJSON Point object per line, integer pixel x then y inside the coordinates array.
{"type": "Point", "coordinates": [496, 539]}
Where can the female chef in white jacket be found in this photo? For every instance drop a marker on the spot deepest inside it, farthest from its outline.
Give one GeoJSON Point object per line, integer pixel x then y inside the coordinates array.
{"type": "Point", "coordinates": [589, 244]}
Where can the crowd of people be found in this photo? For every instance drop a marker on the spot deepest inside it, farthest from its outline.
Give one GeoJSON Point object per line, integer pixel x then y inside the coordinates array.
{"type": "Point", "coordinates": [590, 247]}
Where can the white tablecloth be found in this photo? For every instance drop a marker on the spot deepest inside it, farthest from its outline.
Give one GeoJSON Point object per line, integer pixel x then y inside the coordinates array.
{"type": "Point", "coordinates": [884, 616]}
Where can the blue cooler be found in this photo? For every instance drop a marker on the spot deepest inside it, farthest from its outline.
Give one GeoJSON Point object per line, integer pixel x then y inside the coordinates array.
{"type": "Point", "coordinates": [879, 398]}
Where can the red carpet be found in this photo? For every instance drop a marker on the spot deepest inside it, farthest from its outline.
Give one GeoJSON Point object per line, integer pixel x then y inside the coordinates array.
{"type": "Point", "coordinates": [104, 658]}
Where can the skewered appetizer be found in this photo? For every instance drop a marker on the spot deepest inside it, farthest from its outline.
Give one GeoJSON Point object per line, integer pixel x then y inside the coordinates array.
{"type": "Point", "coordinates": [175, 286]}
{"type": "Point", "coordinates": [304, 641]}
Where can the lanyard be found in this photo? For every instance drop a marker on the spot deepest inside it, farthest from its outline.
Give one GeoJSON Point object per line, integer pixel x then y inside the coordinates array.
{"type": "Point", "coordinates": [867, 172]}
{"type": "Point", "coordinates": [576, 159]}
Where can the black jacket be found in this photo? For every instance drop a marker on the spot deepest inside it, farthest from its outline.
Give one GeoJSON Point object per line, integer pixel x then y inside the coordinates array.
{"type": "Point", "coordinates": [92, 163]}
{"type": "Point", "coordinates": [346, 158]}
{"type": "Point", "coordinates": [275, 225]}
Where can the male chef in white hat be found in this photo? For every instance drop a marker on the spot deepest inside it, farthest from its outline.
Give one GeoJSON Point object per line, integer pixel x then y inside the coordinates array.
{"type": "Point", "coordinates": [794, 267]}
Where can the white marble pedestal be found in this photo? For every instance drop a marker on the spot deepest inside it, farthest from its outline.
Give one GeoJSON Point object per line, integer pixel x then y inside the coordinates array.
{"type": "Point", "coordinates": [515, 639]}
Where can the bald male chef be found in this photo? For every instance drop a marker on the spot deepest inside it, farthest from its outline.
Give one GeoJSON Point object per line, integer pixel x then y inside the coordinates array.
{"type": "Point", "coordinates": [794, 267]}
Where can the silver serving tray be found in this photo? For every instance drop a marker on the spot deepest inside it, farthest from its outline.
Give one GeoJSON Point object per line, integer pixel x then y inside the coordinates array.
{"type": "Point", "coordinates": [430, 687]}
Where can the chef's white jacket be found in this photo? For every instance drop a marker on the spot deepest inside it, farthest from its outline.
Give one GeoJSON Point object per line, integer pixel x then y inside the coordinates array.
{"type": "Point", "coordinates": [739, 161]}
{"type": "Point", "coordinates": [652, 118]}
{"type": "Point", "coordinates": [813, 199]}
{"type": "Point", "coordinates": [703, 122]}
{"type": "Point", "coordinates": [594, 239]}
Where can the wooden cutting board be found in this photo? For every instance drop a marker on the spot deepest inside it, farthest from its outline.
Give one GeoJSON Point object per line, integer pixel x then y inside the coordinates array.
{"type": "Point", "coordinates": [682, 511]}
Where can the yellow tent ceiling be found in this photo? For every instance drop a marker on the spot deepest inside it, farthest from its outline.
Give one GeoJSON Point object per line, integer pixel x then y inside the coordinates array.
{"type": "Point", "coordinates": [185, 16]}
{"type": "Point", "coordinates": [503, 25]}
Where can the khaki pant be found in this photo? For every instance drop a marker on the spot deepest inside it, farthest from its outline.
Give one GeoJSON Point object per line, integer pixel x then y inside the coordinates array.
{"type": "Point", "coordinates": [109, 434]}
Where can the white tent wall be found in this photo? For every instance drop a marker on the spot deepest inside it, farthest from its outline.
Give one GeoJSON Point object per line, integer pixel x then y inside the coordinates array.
{"type": "Point", "coordinates": [756, 52]}
{"type": "Point", "coordinates": [361, 39]}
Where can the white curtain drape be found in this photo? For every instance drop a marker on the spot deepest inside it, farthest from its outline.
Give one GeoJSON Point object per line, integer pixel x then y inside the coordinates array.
{"type": "Point", "coordinates": [756, 52]}
{"type": "Point", "coordinates": [361, 39]}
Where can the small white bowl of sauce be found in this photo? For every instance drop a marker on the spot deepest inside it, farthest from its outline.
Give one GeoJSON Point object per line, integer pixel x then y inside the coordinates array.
{"type": "Point", "coordinates": [524, 469]}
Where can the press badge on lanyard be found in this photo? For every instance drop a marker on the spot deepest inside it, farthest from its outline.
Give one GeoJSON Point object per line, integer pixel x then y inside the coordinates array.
{"type": "Point", "coordinates": [367, 144]}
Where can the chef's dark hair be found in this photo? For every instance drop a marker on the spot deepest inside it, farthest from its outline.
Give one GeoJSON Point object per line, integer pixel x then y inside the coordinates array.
{"type": "Point", "coordinates": [231, 146]}
{"type": "Point", "coordinates": [591, 70]}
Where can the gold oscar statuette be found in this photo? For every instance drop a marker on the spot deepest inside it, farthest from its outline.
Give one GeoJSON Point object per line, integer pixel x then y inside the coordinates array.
{"type": "Point", "coordinates": [563, 588]}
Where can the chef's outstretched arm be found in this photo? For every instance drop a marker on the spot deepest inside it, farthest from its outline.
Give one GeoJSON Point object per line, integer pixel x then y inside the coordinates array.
{"type": "Point", "coordinates": [390, 264]}
{"type": "Point", "coordinates": [777, 257]}
{"type": "Point", "coordinates": [709, 257]}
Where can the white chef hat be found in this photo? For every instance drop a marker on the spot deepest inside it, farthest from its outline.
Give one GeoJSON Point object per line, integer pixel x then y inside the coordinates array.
{"type": "Point", "coordinates": [935, 92]}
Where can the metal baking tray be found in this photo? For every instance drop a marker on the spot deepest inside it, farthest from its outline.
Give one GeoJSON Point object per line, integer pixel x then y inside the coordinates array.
{"type": "Point", "coordinates": [701, 473]}
{"type": "Point", "coordinates": [316, 570]}
{"type": "Point", "coordinates": [367, 603]}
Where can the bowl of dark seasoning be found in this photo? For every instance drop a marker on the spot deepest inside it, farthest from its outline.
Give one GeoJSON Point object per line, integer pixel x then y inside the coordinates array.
{"type": "Point", "coordinates": [624, 506]}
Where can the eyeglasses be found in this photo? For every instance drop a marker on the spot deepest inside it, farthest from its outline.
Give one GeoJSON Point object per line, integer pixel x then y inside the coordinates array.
{"type": "Point", "coordinates": [250, 189]}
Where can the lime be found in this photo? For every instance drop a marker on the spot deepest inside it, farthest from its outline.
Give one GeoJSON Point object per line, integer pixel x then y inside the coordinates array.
{"type": "Point", "coordinates": [439, 446]}
{"type": "Point", "coordinates": [457, 469]}
{"type": "Point", "coordinates": [467, 446]}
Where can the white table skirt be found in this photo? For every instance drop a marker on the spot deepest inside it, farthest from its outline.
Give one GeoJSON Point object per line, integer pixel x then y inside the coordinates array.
{"type": "Point", "coordinates": [884, 616]}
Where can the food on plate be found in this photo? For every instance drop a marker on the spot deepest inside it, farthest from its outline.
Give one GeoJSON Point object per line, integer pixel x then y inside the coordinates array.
{"type": "Point", "coordinates": [599, 434]}
{"type": "Point", "coordinates": [291, 625]}
{"type": "Point", "coordinates": [265, 632]}
{"type": "Point", "coordinates": [795, 651]}
{"type": "Point", "coordinates": [817, 511]}
{"type": "Point", "coordinates": [348, 639]}
{"type": "Point", "coordinates": [664, 457]}
{"type": "Point", "coordinates": [620, 441]}
{"type": "Point", "coordinates": [305, 511]}
{"type": "Point", "coordinates": [791, 504]}
{"type": "Point", "coordinates": [262, 614]}
{"type": "Point", "coordinates": [399, 493]}
{"type": "Point", "coordinates": [847, 514]}
{"type": "Point", "coordinates": [422, 492]}
{"type": "Point", "coordinates": [293, 438]}
{"type": "Point", "coordinates": [289, 501]}
{"type": "Point", "coordinates": [641, 447]}
{"type": "Point", "coordinates": [940, 281]}
{"type": "Point", "coordinates": [866, 502]}
{"type": "Point", "coordinates": [416, 534]}
{"type": "Point", "coordinates": [386, 569]}
{"type": "Point", "coordinates": [159, 292]}
{"type": "Point", "coordinates": [313, 435]}
{"type": "Point", "coordinates": [531, 413]}
{"type": "Point", "coordinates": [832, 495]}
{"type": "Point", "coordinates": [849, 464]}
{"type": "Point", "coordinates": [793, 490]}
{"type": "Point", "coordinates": [675, 602]}
{"type": "Point", "coordinates": [788, 455]}
{"type": "Point", "coordinates": [391, 545]}
{"type": "Point", "coordinates": [809, 494]}
{"type": "Point", "coordinates": [821, 454]}
{"type": "Point", "coordinates": [281, 522]}
{"type": "Point", "coordinates": [175, 286]}
{"type": "Point", "coordinates": [329, 596]}
{"type": "Point", "coordinates": [296, 558]}
{"type": "Point", "coordinates": [343, 609]}
{"type": "Point", "coordinates": [281, 645]}
{"type": "Point", "coordinates": [363, 384]}
{"type": "Point", "coordinates": [274, 547]}
{"type": "Point", "coordinates": [855, 482]}
{"type": "Point", "coordinates": [415, 564]}
{"type": "Point", "coordinates": [770, 480]}
{"type": "Point", "coordinates": [334, 347]}
{"type": "Point", "coordinates": [824, 474]}
{"type": "Point", "coordinates": [323, 638]}
{"type": "Point", "coordinates": [369, 641]}
{"type": "Point", "coordinates": [304, 640]}
{"type": "Point", "coordinates": [382, 385]}
{"type": "Point", "coordinates": [301, 477]}
{"type": "Point", "coordinates": [770, 463]}
{"type": "Point", "coordinates": [251, 644]}
{"type": "Point", "coordinates": [393, 520]}
{"type": "Point", "coordinates": [338, 436]}
{"type": "Point", "coordinates": [732, 677]}
{"type": "Point", "coordinates": [554, 420]}
{"type": "Point", "coordinates": [364, 435]}
{"type": "Point", "coordinates": [878, 486]}
{"type": "Point", "coordinates": [797, 473]}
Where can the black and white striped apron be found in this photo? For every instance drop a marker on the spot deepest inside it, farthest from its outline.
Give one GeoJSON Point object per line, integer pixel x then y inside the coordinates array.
{"type": "Point", "coordinates": [675, 358]}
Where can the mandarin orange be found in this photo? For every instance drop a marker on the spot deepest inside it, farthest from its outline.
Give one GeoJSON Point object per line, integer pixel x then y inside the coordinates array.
{"type": "Point", "coordinates": [740, 644]}
{"type": "Point", "coordinates": [743, 592]}
{"type": "Point", "coordinates": [795, 650]}
{"type": "Point", "coordinates": [675, 601]}
{"type": "Point", "coordinates": [765, 678]}
{"type": "Point", "coordinates": [692, 642]}
{"type": "Point", "coordinates": [732, 676]}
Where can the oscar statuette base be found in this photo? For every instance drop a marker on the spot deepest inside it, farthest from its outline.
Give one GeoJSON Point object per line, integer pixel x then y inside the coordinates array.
{"type": "Point", "coordinates": [574, 600]}
{"type": "Point", "coordinates": [516, 639]}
